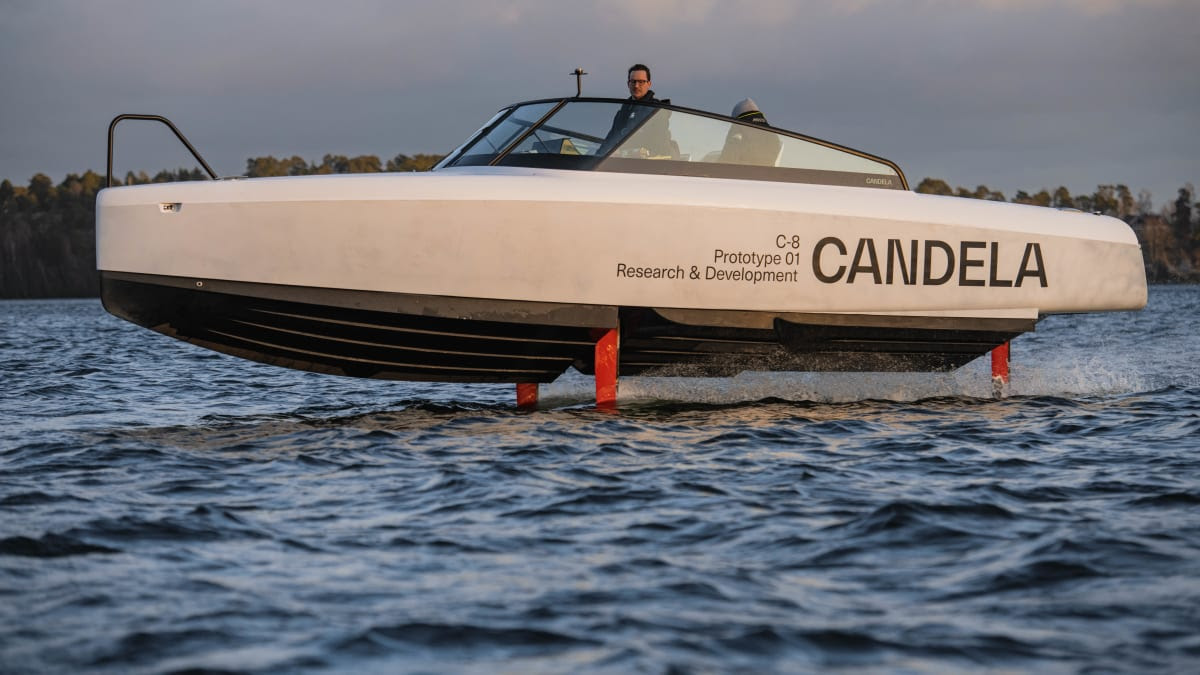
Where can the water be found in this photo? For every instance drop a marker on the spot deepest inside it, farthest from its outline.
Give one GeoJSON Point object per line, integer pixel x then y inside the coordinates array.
{"type": "Point", "coordinates": [167, 509]}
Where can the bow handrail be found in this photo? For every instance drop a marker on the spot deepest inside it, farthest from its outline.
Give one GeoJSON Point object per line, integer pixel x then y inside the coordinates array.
{"type": "Point", "coordinates": [154, 118]}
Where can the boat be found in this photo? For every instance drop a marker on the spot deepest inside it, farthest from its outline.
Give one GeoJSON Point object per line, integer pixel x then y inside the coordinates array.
{"type": "Point", "coordinates": [679, 242]}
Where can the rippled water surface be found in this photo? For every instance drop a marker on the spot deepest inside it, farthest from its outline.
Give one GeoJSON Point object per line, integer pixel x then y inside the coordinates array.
{"type": "Point", "coordinates": [164, 509]}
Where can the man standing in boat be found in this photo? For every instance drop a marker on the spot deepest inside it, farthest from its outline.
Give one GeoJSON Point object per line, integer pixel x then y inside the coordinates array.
{"type": "Point", "coordinates": [655, 138]}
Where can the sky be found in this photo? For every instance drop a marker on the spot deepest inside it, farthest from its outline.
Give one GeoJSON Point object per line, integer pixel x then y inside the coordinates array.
{"type": "Point", "coordinates": [1011, 94]}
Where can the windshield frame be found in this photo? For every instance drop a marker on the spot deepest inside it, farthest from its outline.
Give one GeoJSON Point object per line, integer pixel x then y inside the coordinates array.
{"type": "Point", "coordinates": [608, 163]}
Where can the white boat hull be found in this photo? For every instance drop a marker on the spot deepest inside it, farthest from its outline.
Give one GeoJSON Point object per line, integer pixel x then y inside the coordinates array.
{"type": "Point", "coordinates": [583, 250]}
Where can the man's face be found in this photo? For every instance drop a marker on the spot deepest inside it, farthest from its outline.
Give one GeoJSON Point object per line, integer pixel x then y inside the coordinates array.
{"type": "Point", "coordinates": [639, 83]}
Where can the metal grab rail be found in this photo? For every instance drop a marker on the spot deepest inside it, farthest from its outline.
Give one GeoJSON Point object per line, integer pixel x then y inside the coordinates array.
{"type": "Point", "coordinates": [154, 118]}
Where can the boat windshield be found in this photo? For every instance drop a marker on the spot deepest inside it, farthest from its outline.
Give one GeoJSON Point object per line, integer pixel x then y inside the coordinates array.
{"type": "Point", "coordinates": [631, 137]}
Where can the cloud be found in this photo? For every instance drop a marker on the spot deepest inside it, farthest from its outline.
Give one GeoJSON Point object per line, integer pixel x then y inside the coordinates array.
{"type": "Point", "coordinates": [990, 91]}
{"type": "Point", "coordinates": [1089, 7]}
{"type": "Point", "coordinates": [657, 16]}
{"type": "Point", "coordinates": [664, 16]}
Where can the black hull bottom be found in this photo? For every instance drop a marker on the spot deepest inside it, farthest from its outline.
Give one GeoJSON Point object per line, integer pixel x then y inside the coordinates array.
{"type": "Point", "coordinates": [402, 337]}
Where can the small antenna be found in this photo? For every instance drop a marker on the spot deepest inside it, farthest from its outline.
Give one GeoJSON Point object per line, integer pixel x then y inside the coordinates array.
{"type": "Point", "coordinates": [579, 73]}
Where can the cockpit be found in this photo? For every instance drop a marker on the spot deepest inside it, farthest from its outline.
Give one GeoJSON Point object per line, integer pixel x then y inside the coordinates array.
{"type": "Point", "coordinates": [598, 134]}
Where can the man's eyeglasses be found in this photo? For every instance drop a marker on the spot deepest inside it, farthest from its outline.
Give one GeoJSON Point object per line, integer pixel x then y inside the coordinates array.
{"type": "Point", "coordinates": [639, 82]}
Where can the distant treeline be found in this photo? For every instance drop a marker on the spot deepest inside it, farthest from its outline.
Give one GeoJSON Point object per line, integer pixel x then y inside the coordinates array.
{"type": "Point", "coordinates": [48, 241]}
{"type": "Point", "coordinates": [1170, 247]}
{"type": "Point", "coordinates": [1113, 200]}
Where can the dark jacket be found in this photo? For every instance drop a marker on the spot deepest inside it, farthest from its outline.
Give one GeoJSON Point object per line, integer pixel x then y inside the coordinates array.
{"type": "Point", "coordinates": [750, 146]}
{"type": "Point", "coordinates": [657, 137]}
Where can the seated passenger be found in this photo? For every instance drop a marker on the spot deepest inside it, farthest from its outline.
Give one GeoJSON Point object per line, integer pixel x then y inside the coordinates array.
{"type": "Point", "coordinates": [749, 146]}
